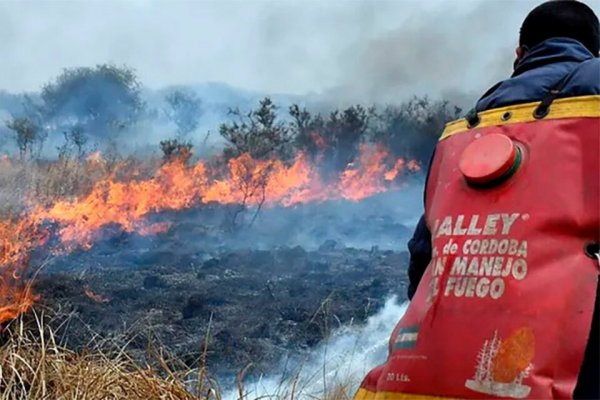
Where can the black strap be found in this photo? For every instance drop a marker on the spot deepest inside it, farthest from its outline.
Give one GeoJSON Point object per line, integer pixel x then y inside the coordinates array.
{"type": "Point", "coordinates": [543, 109]}
{"type": "Point", "coordinates": [472, 118]}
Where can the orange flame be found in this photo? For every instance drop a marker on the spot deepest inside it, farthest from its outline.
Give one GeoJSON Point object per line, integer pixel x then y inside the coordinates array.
{"type": "Point", "coordinates": [154, 229]}
{"type": "Point", "coordinates": [413, 166]}
{"type": "Point", "coordinates": [393, 173]}
{"type": "Point", "coordinates": [94, 296]}
{"type": "Point", "coordinates": [174, 186]}
{"type": "Point", "coordinates": [318, 140]}
{"type": "Point", "coordinates": [357, 183]}
{"type": "Point", "coordinates": [17, 240]}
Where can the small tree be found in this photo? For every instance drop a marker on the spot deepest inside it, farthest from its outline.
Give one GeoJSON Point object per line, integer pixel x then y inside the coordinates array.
{"type": "Point", "coordinates": [26, 133]}
{"type": "Point", "coordinates": [257, 133]}
{"type": "Point", "coordinates": [412, 129]}
{"type": "Point", "coordinates": [251, 178]}
{"type": "Point", "coordinates": [308, 131]}
{"type": "Point", "coordinates": [74, 139]}
{"type": "Point", "coordinates": [254, 140]}
{"type": "Point", "coordinates": [78, 138]}
{"type": "Point", "coordinates": [184, 110]}
{"type": "Point", "coordinates": [102, 99]}
{"type": "Point", "coordinates": [345, 130]}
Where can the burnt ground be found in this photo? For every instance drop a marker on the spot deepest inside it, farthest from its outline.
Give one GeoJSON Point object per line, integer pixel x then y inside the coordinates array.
{"type": "Point", "coordinates": [259, 304]}
{"type": "Point", "coordinates": [190, 287]}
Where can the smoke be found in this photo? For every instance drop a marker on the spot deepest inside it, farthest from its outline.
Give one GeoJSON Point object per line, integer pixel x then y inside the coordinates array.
{"type": "Point", "coordinates": [384, 221]}
{"type": "Point", "coordinates": [341, 361]}
{"type": "Point", "coordinates": [371, 49]}
{"type": "Point", "coordinates": [323, 54]}
{"type": "Point", "coordinates": [453, 51]}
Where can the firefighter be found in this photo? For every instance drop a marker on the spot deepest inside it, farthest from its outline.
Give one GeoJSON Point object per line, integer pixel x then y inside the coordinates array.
{"type": "Point", "coordinates": [557, 61]}
{"type": "Point", "coordinates": [555, 37]}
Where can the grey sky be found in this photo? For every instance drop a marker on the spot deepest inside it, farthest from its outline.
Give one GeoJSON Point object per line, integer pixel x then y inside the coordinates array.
{"type": "Point", "coordinates": [364, 48]}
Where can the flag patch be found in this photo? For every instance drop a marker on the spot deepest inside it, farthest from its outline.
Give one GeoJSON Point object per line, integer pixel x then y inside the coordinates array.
{"type": "Point", "coordinates": [407, 337]}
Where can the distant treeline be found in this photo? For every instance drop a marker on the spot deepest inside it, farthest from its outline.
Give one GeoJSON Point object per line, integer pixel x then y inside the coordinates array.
{"type": "Point", "coordinates": [104, 103]}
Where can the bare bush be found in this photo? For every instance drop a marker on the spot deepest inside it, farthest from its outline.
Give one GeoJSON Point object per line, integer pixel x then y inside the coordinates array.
{"type": "Point", "coordinates": [176, 150]}
{"type": "Point", "coordinates": [258, 133]}
{"type": "Point", "coordinates": [26, 134]}
{"type": "Point", "coordinates": [184, 110]}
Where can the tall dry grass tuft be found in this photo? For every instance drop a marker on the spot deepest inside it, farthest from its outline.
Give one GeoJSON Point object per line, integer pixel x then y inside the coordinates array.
{"type": "Point", "coordinates": [43, 182]}
{"type": "Point", "coordinates": [34, 366]}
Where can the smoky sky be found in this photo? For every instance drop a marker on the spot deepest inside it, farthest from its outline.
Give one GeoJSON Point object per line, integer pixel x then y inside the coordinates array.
{"type": "Point", "coordinates": [369, 49]}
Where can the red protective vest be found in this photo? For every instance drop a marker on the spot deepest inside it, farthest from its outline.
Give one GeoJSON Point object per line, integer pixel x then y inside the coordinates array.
{"type": "Point", "coordinates": [504, 308]}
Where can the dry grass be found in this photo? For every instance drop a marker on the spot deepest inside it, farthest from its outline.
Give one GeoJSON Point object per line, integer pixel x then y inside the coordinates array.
{"type": "Point", "coordinates": [44, 182]}
{"type": "Point", "coordinates": [34, 366]}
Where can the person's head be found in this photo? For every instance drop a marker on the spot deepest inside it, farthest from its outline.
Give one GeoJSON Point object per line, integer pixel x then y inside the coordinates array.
{"type": "Point", "coordinates": [560, 18]}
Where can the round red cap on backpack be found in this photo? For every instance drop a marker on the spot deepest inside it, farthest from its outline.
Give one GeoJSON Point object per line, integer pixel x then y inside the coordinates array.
{"type": "Point", "coordinates": [489, 159]}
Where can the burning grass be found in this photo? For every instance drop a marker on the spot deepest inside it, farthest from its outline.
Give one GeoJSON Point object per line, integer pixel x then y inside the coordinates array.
{"type": "Point", "coordinates": [63, 204]}
{"type": "Point", "coordinates": [44, 182]}
{"type": "Point", "coordinates": [34, 366]}
{"type": "Point", "coordinates": [73, 199]}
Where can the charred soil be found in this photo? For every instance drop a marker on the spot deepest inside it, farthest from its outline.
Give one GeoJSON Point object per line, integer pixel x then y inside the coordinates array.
{"type": "Point", "coordinates": [246, 306]}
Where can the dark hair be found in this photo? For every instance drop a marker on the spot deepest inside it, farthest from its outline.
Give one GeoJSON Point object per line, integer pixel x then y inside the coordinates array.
{"type": "Point", "coordinates": [561, 18]}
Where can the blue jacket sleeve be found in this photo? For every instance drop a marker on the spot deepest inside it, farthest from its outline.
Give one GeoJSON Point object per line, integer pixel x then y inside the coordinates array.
{"type": "Point", "coordinates": [419, 248]}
